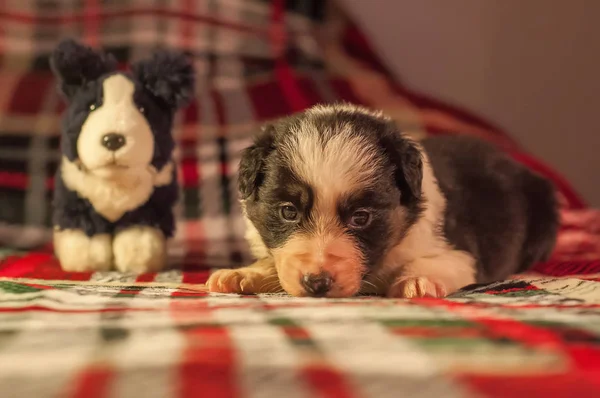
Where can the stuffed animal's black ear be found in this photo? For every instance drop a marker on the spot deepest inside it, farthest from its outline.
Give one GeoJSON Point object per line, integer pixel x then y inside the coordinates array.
{"type": "Point", "coordinates": [169, 76]}
{"type": "Point", "coordinates": [75, 64]}
{"type": "Point", "coordinates": [408, 161]}
{"type": "Point", "coordinates": [252, 163]}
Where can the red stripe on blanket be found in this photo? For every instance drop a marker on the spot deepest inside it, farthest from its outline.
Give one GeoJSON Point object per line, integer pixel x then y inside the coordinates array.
{"type": "Point", "coordinates": [327, 382]}
{"type": "Point", "coordinates": [564, 268]}
{"type": "Point", "coordinates": [284, 74]}
{"type": "Point", "coordinates": [208, 364]}
{"type": "Point", "coordinates": [321, 376]}
{"type": "Point", "coordinates": [138, 12]}
{"type": "Point", "coordinates": [187, 26]}
{"type": "Point", "coordinates": [585, 360]}
{"type": "Point", "coordinates": [33, 308]}
{"type": "Point", "coordinates": [16, 180]}
{"type": "Point", "coordinates": [190, 114]}
{"type": "Point", "coordinates": [289, 86]}
{"type": "Point", "coordinates": [192, 275]}
{"type": "Point", "coordinates": [192, 178]}
{"type": "Point", "coordinates": [548, 386]}
{"type": "Point", "coordinates": [91, 26]}
{"type": "Point", "coordinates": [189, 172]}
{"type": "Point", "coordinates": [39, 266]}
{"type": "Point", "coordinates": [22, 101]}
{"type": "Point", "coordinates": [146, 277]}
{"type": "Point", "coordinates": [93, 383]}
{"type": "Point", "coordinates": [268, 101]}
{"type": "Point", "coordinates": [15, 267]}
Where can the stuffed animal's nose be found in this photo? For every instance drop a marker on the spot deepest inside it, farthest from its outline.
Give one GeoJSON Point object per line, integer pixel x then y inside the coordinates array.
{"type": "Point", "coordinates": [113, 141]}
{"type": "Point", "coordinates": [317, 284]}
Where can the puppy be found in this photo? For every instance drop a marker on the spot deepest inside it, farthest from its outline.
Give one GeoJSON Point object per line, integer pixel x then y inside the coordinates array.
{"type": "Point", "coordinates": [338, 202]}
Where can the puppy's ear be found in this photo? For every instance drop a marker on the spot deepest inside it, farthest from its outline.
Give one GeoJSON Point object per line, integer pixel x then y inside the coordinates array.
{"type": "Point", "coordinates": [252, 163]}
{"type": "Point", "coordinates": [75, 64]}
{"type": "Point", "coordinates": [404, 154]}
{"type": "Point", "coordinates": [169, 76]}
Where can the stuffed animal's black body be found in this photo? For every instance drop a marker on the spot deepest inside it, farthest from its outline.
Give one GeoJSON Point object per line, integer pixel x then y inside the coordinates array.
{"type": "Point", "coordinates": [117, 184]}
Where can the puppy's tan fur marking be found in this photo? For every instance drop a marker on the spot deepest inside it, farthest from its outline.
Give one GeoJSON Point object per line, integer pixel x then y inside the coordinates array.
{"type": "Point", "coordinates": [331, 252]}
{"type": "Point", "coordinates": [414, 287]}
{"type": "Point", "coordinates": [260, 277]}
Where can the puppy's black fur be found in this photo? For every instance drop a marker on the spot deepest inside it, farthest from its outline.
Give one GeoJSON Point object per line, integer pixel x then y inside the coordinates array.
{"type": "Point", "coordinates": [496, 209]}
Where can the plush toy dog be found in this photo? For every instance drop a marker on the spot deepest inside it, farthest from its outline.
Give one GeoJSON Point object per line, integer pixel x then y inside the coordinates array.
{"type": "Point", "coordinates": [116, 184]}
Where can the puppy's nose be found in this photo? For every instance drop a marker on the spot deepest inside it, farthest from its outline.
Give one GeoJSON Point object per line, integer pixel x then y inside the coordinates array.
{"type": "Point", "coordinates": [317, 284]}
{"type": "Point", "coordinates": [113, 141]}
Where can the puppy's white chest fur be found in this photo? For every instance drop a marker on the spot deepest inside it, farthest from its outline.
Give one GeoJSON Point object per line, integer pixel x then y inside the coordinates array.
{"type": "Point", "coordinates": [115, 196]}
{"type": "Point", "coordinates": [424, 251]}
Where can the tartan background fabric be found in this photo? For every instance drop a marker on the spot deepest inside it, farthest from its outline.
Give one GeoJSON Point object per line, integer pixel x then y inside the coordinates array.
{"type": "Point", "coordinates": [256, 61]}
{"type": "Point", "coordinates": [161, 334]}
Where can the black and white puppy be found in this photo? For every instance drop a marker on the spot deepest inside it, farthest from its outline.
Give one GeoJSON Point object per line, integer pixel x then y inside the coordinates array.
{"type": "Point", "coordinates": [338, 202]}
{"type": "Point", "coordinates": [117, 184]}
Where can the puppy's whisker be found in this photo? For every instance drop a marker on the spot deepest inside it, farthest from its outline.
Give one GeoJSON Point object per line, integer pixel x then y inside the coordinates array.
{"type": "Point", "coordinates": [269, 284]}
{"type": "Point", "coordinates": [366, 286]}
{"type": "Point", "coordinates": [369, 284]}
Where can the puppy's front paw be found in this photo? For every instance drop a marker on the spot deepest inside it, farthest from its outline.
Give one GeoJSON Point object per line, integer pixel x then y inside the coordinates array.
{"type": "Point", "coordinates": [416, 286]}
{"type": "Point", "coordinates": [78, 252]}
{"type": "Point", "coordinates": [140, 249]}
{"type": "Point", "coordinates": [242, 281]}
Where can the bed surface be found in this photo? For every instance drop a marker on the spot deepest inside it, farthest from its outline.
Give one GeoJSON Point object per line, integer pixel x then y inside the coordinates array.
{"type": "Point", "coordinates": [163, 335]}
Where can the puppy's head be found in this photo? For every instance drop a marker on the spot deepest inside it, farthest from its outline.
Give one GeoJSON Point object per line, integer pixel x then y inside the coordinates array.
{"type": "Point", "coordinates": [330, 191]}
{"type": "Point", "coordinates": [116, 121]}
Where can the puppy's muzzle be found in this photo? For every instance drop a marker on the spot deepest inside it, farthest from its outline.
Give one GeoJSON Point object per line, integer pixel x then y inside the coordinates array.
{"type": "Point", "coordinates": [317, 285]}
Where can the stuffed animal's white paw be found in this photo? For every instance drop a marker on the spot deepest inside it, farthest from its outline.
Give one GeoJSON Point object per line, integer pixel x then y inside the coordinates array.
{"type": "Point", "coordinates": [140, 249]}
{"type": "Point", "coordinates": [78, 252]}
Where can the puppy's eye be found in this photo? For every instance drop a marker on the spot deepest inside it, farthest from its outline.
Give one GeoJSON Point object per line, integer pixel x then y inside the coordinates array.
{"type": "Point", "coordinates": [360, 219]}
{"type": "Point", "coordinates": [142, 109]}
{"type": "Point", "coordinates": [93, 107]}
{"type": "Point", "coordinates": [288, 212]}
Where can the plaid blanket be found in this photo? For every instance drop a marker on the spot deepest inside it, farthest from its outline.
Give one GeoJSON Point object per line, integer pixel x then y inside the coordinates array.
{"type": "Point", "coordinates": [163, 335]}
{"type": "Point", "coordinates": [119, 335]}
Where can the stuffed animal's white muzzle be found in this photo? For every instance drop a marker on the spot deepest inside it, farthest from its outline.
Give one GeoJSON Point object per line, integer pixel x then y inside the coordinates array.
{"type": "Point", "coordinates": [116, 135]}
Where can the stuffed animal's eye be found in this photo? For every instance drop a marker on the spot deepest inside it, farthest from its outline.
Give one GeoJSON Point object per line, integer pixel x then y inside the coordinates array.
{"type": "Point", "coordinates": [142, 109]}
{"type": "Point", "coordinates": [288, 212]}
{"type": "Point", "coordinates": [93, 107]}
{"type": "Point", "coordinates": [360, 219]}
